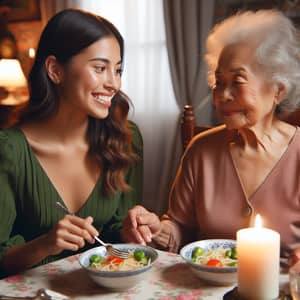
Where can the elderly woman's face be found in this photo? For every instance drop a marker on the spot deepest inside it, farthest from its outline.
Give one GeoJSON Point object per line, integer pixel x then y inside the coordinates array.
{"type": "Point", "coordinates": [242, 95]}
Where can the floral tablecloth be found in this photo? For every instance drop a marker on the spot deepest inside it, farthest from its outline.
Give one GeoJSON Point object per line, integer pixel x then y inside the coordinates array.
{"type": "Point", "coordinates": [170, 278]}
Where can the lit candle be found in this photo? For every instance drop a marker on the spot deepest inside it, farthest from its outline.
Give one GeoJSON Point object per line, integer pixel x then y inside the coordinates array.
{"type": "Point", "coordinates": [258, 251]}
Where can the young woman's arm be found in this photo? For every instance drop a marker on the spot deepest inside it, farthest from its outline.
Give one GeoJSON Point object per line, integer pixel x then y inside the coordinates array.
{"type": "Point", "coordinates": [70, 233]}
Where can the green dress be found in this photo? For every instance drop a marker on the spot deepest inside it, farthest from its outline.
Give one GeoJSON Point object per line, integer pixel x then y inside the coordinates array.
{"type": "Point", "coordinates": [27, 196]}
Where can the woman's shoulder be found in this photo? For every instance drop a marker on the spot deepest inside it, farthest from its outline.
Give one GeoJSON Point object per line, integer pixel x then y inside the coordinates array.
{"type": "Point", "coordinates": [133, 127]}
{"type": "Point", "coordinates": [214, 136]}
{"type": "Point", "coordinates": [12, 135]}
{"type": "Point", "coordinates": [207, 145]}
{"type": "Point", "coordinates": [296, 138]}
{"type": "Point", "coordinates": [297, 133]}
{"type": "Point", "coordinates": [137, 139]}
{"type": "Point", "coordinates": [11, 143]}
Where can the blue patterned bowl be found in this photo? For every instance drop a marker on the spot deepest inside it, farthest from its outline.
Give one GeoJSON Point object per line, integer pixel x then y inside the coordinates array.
{"type": "Point", "coordinates": [211, 275]}
{"type": "Point", "coordinates": [117, 280]}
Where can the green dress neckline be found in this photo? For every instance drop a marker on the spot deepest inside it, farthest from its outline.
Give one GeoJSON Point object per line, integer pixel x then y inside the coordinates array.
{"type": "Point", "coordinates": [97, 186]}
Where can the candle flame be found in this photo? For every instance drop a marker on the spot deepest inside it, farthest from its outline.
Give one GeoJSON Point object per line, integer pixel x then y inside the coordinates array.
{"type": "Point", "coordinates": [31, 52]}
{"type": "Point", "coordinates": [258, 221]}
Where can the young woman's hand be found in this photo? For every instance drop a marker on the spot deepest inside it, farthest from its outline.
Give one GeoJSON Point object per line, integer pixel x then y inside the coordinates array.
{"type": "Point", "coordinates": [70, 233]}
{"type": "Point", "coordinates": [140, 226]}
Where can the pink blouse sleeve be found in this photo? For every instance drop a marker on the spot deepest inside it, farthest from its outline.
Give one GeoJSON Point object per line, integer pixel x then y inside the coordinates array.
{"type": "Point", "coordinates": [179, 224]}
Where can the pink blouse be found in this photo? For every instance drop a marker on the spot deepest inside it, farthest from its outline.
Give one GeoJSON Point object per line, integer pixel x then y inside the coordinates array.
{"type": "Point", "coordinates": [207, 199]}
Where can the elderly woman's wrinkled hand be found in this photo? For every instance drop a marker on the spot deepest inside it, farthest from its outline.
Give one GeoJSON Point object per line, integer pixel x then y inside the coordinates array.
{"type": "Point", "coordinates": [140, 226]}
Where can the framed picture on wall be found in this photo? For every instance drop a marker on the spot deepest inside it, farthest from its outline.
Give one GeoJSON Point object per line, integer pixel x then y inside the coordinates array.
{"type": "Point", "coordinates": [21, 10]}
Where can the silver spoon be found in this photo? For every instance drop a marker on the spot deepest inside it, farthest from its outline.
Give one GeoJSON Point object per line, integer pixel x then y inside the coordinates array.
{"type": "Point", "coordinates": [109, 247]}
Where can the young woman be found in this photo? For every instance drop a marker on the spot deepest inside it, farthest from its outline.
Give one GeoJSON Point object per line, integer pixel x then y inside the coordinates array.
{"type": "Point", "coordinates": [74, 145]}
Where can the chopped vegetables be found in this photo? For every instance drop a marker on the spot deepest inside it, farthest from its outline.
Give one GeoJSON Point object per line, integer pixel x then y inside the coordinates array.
{"type": "Point", "coordinates": [114, 259]}
{"type": "Point", "coordinates": [140, 255]}
{"type": "Point", "coordinates": [231, 253]}
{"type": "Point", "coordinates": [214, 263]}
{"type": "Point", "coordinates": [136, 260]}
{"type": "Point", "coordinates": [233, 264]}
{"type": "Point", "coordinates": [218, 257]}
{"type": "Point", "coordinates": [198, 251]}
{"type": "Point", "coordinates": [95, 259]}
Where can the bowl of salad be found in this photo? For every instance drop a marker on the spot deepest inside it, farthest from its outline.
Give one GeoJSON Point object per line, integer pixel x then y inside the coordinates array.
{"type": "Point", "coordinates": [118, 273]}
{"type": "Point", "coordinates": [214, 261]}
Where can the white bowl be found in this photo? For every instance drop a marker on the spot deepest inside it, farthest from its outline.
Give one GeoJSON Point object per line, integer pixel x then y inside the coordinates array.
{"type": "Point", "coordinates": [212, 275]}
{"type": "Point", "coordinates": [117, 280]}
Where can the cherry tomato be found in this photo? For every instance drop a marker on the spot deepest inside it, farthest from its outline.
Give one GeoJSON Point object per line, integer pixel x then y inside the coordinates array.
{"type": "Point", "coordinates": [114, 259]}
{"type": "Point", "coordinates": [214, 263]}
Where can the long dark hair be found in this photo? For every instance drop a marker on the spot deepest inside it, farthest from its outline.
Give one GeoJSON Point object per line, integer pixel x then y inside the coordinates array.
{"type": "Point", "coordinates": [66, 34]}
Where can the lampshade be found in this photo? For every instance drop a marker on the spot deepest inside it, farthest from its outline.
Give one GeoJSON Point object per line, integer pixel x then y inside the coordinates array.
{"type": "Point", "coordinates": [11, 74]}
{"type": "Point", "coordinates": [13, 84]}
{"type": "Point", "coordinates": [13, 80]}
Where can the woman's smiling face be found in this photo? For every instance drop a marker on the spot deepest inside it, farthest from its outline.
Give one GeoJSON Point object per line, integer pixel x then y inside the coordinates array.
{"type": "Point", "coordinates": [92, 77]}
{"type": "Point", "coordinates": [242, 95]}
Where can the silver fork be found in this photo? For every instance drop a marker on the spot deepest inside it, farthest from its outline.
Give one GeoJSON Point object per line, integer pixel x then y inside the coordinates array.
{"type": "Point", "coordinates": [109, 247]}
{"type": "Point", "coordinates": [41, 294]}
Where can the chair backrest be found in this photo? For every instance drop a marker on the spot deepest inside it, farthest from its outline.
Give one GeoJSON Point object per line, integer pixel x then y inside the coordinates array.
{"type": "Point", "coordinates": [188, 125]}
{"type": "Point", "coordinates": [292, 118]}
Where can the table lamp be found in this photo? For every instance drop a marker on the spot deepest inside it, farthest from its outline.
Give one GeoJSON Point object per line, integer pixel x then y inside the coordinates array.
{"type": "Point", "coordinates": [12, 79]}
{"type": "Point", "coordinates": [13, 84]}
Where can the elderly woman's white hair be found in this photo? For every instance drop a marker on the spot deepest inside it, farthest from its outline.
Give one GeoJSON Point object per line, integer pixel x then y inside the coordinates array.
{"type": "Point", "coordinates": [278, 51]}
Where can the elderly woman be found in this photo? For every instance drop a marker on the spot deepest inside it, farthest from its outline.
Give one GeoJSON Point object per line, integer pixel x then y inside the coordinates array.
{"type": "Point", "coordinates": [252, 164]}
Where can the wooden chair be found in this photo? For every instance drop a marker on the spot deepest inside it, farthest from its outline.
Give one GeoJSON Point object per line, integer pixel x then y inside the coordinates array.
{"type": "Point", "coordinates": [292, 118]}
{"type": "Point", "coordinates": [188, 125]}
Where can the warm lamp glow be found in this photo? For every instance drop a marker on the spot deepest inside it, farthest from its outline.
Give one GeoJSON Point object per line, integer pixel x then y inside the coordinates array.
{"type": "Point", "coordinates": [12, 79]}
{"type": "Point", "coordinates": [11, 74]}
{"type": "Point", "coordinates": [31, 53]}
{"type": "Point", "coordinates": [258, 221]}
